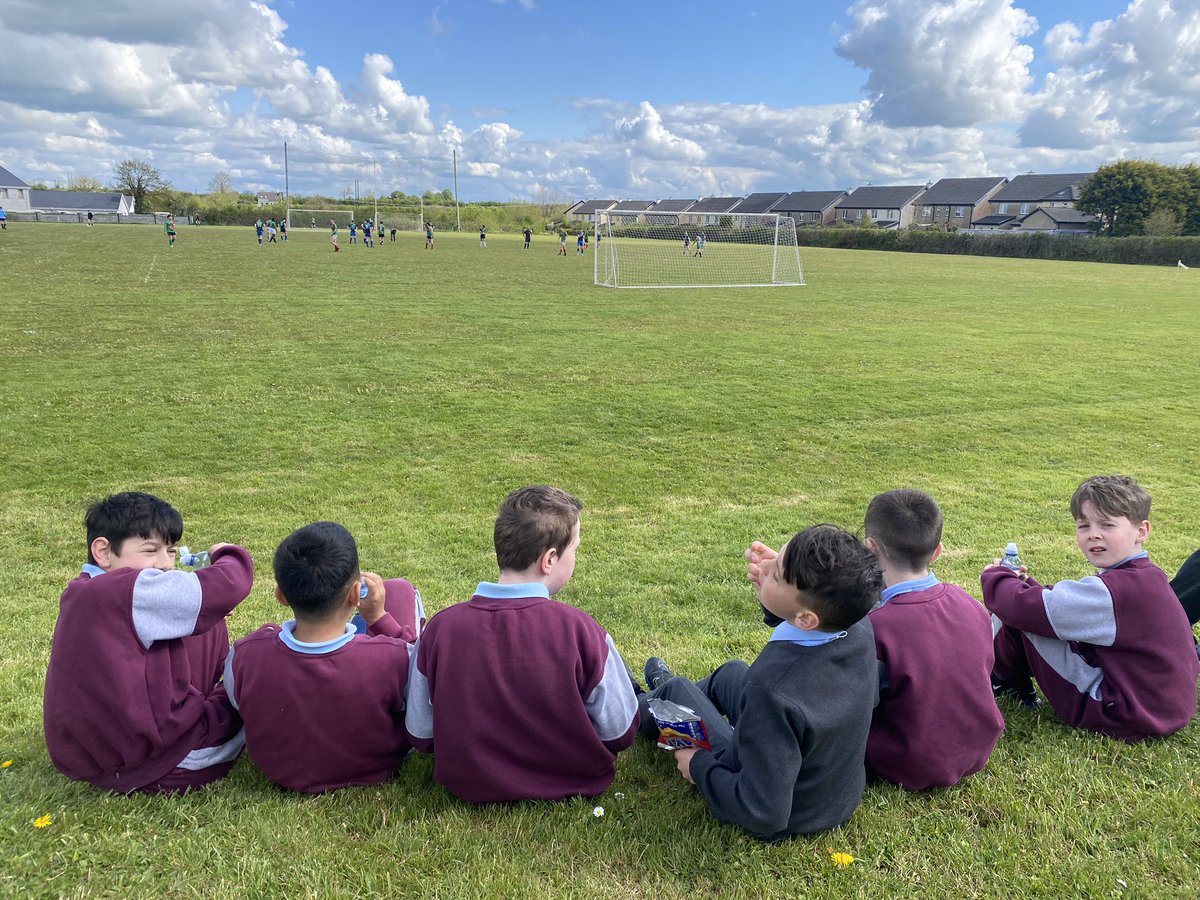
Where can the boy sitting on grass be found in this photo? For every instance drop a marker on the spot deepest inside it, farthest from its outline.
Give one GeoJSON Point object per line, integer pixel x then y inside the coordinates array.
{"type": "Point", "coordinates": [323, 704]}
{"type": "Point", "coordinates": [789, 760]}
{"type": "Point", "coordinates": [134, 700]}
{"type": "Point", "coordinates": [937, 720]}
{"type": "Point", "coordinates": [517, 695]}
{"type": "Point", "coordinates": [1112, 652]}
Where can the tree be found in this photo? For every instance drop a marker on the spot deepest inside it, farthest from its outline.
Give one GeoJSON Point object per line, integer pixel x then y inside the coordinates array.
{"type": "Point", "coordinates": [84, 183]}
{"type": "Point", "coordinates": [1162, 223]}
{"type": "Point", "coordinates": [139, 178]}
{"type": "Point", "coordinates": [221, 184]}
{"type": "Point", "coordinates": [1123, 194]}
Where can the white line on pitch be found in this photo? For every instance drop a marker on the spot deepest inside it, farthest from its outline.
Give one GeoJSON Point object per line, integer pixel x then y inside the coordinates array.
{"type": "Point", "coordinates": [146, 280]}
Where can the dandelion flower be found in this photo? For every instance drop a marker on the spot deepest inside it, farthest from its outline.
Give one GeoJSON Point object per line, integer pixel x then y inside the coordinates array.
{"type": "Point", "coordinates": [42, 821]}
{"type": "Point", "coordinates": [5, 764]}
{"type": "Point", "coordinates": [841, 860]}
{"type": "Point", "coordinates": [598, 811]}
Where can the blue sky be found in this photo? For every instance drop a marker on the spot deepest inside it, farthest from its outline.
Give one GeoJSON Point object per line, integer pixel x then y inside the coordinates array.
{"type": "Point", "coordinates": [687, 99]}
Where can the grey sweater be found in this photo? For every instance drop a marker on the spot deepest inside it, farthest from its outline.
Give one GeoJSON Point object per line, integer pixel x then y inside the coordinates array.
{"type": "Point", "coordinates": [796, 762]}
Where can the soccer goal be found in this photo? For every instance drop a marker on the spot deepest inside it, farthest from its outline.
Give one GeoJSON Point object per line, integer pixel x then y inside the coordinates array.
{"type": "Point", "coordinates": [696, 251]}
{"type": "Point", "coordinates": [301, 220]}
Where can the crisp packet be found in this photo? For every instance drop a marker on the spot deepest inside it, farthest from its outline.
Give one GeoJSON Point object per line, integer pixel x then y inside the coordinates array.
{"type": "Point", "coordinates": [678, 726]}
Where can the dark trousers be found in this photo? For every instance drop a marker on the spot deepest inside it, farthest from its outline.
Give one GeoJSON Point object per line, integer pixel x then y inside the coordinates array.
{"type": "Point", "coordinates": [716, 699]}
{"type": "Point", "coordinates": [1186, 585]}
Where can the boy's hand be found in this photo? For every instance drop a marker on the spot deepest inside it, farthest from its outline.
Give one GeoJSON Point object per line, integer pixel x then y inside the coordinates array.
{"type": "Point", "coordinates": [683, 762]}
{"type": "Point", "coordinates": [371, 606]}
{"type": "Point", "coordinates": [758, 553]}
{"type": "Point", "coordinates": [1020, 573]}
{"type": "Point", "coordinates": [217, 546]}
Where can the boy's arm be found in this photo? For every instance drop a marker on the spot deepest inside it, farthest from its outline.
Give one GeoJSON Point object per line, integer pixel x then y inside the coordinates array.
{"type": "Point", "coordinates": [174, 603]}
{"type": "Point", "coordinates": [418, 706]}
{"type": "Point", "coordinates": [758, 796]}
{"type": "Point", "coordinates": [1069, 610]}
{"type": "Point", "coordinates": [612, 705]}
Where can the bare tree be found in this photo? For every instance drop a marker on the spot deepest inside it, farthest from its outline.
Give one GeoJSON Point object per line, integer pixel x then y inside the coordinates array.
{"type": "Point", "coordinates": [221, 184]}
{"type": "Point", "coordinates": [84, 183]}
{"type": "Point", "coordinates": [139, 178]}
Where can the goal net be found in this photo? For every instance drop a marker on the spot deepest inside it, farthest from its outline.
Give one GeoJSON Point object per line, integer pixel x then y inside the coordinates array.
{"type": "Point", "coordinates": [682, 250]}
{"type": "Point", "coordinates": [302, 220]}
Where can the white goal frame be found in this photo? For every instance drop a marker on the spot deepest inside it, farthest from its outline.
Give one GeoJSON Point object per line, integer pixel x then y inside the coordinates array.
{"type": "Point", "coordinates": [636, 249]}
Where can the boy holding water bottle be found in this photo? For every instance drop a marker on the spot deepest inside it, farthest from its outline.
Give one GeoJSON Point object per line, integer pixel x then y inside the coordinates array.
{"type": "Point", "coordinates": [133, 699]}
{"type": "Point", "coordinates": [302, 687]}
{"type": "Point", "coordinates": [1111, 651]}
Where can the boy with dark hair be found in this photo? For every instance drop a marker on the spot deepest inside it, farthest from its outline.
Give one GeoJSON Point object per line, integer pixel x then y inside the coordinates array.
{"type": "Point", "coordinates": [304, 687]}
{"type": "Point", "coordinates": [937, 720]}
{"type": "Point", "coordinates": [789, 759]}
{"type": "Point", "coordinates": [517, 695]}
{"type": "Point", "coordinates": [133, 698]}
{"type": "Point", "coordinates": [1112, 651]}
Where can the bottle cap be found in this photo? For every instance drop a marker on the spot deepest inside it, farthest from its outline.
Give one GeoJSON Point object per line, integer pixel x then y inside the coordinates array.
{"type": "Point", "coordinates": [1010, 550]}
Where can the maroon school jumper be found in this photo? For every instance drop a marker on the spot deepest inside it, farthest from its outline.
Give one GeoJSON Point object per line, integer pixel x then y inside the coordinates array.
{"type": "Point", "coordinates": [1112, 652]}
{"type": "Point", "coordinates": [510, 680]}
{"type": "Point", "coordinates": [937, 722]}
{"type": "Point", "coordinates": [133, 683]}
{"type": "Point", "coordinates": [325, 716]}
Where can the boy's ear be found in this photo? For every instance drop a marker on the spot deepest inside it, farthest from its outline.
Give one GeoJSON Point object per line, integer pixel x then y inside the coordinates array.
{"type": "Point", "coordinates": [101, 552]}
{"type": "Point", "coordinates": [283, 601]}
{"type": "Point", "coordinates": [807, 620]}
{"type": "Point", "coordinates": [545, 562]}
{"type": "Point", "coordinates": [1143, 531]}
{"type": "Point", "coordinates": [937, 551]}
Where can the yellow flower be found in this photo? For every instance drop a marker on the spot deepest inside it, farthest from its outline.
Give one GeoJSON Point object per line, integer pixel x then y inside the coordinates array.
{"type": "Point", "coordinates": [5, 764]}
{"type": "Point", "coordinates": [841, 860]}
{"type": "Point", "coordinates": [42, 821]}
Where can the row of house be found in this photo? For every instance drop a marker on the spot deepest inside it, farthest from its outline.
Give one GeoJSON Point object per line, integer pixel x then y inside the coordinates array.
{"type": "Point", "coordinates": [17, 196]}
{"type": "Point", "coordinates": [1043, 203]}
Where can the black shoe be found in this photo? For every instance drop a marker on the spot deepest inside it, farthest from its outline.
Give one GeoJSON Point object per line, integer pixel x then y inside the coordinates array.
{"type": "Point", "coordinates": [656, 672]}
{"type": "Point", "coordinates": [1022, 691]}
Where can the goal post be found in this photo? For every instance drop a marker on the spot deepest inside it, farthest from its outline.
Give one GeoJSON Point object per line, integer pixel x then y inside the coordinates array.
{"type": "Point", "coordinates": [695, 250]}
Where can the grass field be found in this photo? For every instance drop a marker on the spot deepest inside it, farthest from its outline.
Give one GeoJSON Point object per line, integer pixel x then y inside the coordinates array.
{"type": "Point", "coordinates": [404, 393]}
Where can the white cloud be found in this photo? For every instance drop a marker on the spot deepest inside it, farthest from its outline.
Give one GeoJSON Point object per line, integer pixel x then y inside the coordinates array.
{"type": "Point", "coordinates": [941, 62]}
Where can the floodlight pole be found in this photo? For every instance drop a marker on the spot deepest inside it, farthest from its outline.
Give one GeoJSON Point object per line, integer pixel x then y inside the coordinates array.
{"type": "Point", "coordinates": [375, 194]}
{"type": "Point", "coordinates": [457, 215]}
{"type": "Point", "coordinates": [287, 192]}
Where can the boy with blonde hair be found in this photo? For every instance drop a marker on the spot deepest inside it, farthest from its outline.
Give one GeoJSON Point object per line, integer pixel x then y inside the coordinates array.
{"type": "Point", "coordinates": [1111, 651]}
{"type": "Point", "coordinates": [518, 695]}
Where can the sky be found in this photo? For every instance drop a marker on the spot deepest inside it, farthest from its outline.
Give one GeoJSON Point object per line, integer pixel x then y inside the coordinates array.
{"type": "Point", "coordinates": [560, 101]}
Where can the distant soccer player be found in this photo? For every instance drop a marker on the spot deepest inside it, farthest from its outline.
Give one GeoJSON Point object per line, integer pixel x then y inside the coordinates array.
{"type": "Point", "coordinates": [687, 242]}
{"type": "Point", "coordinates": [353, 232]}
{"type": "Point", "coordinates": [579, 244]}
{"type": "Point", "coordinates": [701, 240]}
{"type": "Point", "coordinates": [562, 242]}
{"type": "Point", "coordinates": [333, 235]}
{"type": "Point", "coordinates": [528, 236]}
{"type": "Point", "coordinates": [393, 234]}
{"type": "Point", "coordinates": [428, 235]}
{"type": "Point", "coordinates": [169, 228]}
{"type": "Point", "coordinates": [282, 228]}
{"type": "Point", "coordinates": [482, 235]}
{"type": "Point", "coordinates": [258, 230]}
{"type": "Point", "coordinates": [312, 222]}
{"type": "Point", "coordinates": [271, 231]}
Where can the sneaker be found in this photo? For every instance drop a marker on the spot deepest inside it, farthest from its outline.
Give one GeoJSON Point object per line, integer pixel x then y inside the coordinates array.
{"type": "Point", "coordinates": [656, 672]}
{"type": "Point", "coordinates": [1022, 691]}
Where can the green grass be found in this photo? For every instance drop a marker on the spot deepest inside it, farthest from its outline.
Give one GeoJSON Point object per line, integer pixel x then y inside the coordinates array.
{"type": "Point", "coordinates": [404, 393]}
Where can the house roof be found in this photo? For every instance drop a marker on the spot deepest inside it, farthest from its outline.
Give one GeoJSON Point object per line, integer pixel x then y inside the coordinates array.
{"type": "Point", "coordinates": [269, 194]}
{"type": "Point", "coordinates": [590, 207]}
{"type": "Point", "coordinates": [960, 191]}
{"type": "Point", "coordinates": [1063, 215]}
{"type": "Point", "coordinates": [671, 206]}
{"type": "Point", "coordinates": [1032, 188]}
{"type": "Point", "coordinates": [808, 201]}
{"type": "Point", "coordinates": [993, 220]}
{"type": "Point", "coordinates": [758, 203]}
{"type": "Point", "coordinates": [80, 200]}
{"type": "Point", "coordinates": [8, 179]}
{"type": "Point", "coordinates": [713, 205]}
{"type": "Point", "coordinates": [882, 197]}
{"type": "Point", "coordinates": [632, 205]}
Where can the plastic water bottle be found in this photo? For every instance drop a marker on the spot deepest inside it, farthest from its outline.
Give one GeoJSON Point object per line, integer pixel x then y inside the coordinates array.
{"type": "Point", "coordinates": [362, 589]}
{"type": "Point", "coordinates": [199, 560]}
{"type": "Point", "coordinates": [1011, 559]}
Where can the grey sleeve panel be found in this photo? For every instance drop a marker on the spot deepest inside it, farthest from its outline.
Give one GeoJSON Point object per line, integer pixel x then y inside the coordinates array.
{"type": "Point", "coordinates": [166, 605]}
{"type": "Point", "coordinates": [418, 709]}
{"type": "Point", "coordinates": [612, 704]}
{"type": "Point", "coordinates": [1081, 611]}
{"type": "Point", "coordinates": [1069, 665]}
{"type": "Point", "coordinates": [229, 689]}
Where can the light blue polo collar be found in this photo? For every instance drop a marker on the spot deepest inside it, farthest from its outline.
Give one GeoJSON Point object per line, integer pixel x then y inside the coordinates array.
{"type": "Point", "coordinates": [94, 570]}
{"type": "Point", "coordinates": [287, 635]}
{"type": "Point", "coordinates": [786, 631]}
{"type": "Point", "coordinates": [494, 591]}
{"type": "Point", "coordinates": [908, 587]}
{"type": "Point", "coordinates": [1141, 555]}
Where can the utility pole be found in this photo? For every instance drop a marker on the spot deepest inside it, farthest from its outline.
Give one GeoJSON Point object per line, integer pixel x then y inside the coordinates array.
{"type": "Point", "coordinates": [457, 215]}
{"type": "Point", "coordinates": [287, 192]}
